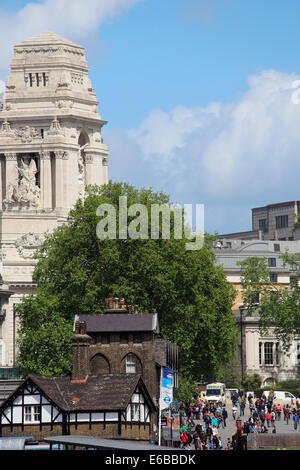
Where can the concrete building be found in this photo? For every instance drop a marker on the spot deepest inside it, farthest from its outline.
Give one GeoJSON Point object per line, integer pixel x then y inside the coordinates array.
{"type": "Point", "coordinates": [50, 148]}
{"type": "Point", "coordinates": [258, 353]}
{"type": "Point", "coordinates": [272, 222]}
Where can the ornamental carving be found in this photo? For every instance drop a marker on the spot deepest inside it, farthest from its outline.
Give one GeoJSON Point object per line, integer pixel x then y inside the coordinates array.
{"type": "Point", "coordinates": [27, 134]}
{"type": "Point", "coordinates": [27, 244]}
{"type": "Point", "coordinates": [49, 51]}
{"type": "Point", "coordinates": [6, 130]}
{"type": "Point", "coordinates": [24, 193]}
{"type": "Point", "coordinates": [64, 104]}
{"type": "Point", "coordinates": [55, 128]}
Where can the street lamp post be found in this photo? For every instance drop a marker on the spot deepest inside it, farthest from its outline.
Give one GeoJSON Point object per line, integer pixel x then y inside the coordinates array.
{"type": "Point", "coordinates": [242, 345]}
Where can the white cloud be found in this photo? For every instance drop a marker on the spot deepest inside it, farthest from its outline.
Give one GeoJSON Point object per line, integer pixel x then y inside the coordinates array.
{"type": "Point", "coordinates": [77, 20]}
{"type": "Point", "coordinates": [235, 155]}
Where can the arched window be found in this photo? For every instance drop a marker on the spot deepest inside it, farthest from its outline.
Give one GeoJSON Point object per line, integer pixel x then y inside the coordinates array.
{"type": "Point", "coordinates": [130, 364]}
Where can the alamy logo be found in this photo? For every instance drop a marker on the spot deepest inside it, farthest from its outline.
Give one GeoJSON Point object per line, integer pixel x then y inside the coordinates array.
{"type": "Point", "coordinates": [160, 218]}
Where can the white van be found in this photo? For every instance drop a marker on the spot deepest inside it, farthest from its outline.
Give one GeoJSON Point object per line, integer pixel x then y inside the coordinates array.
{"type": "Point", "coordinates": [215, 392]}
{"type": "Point", "coordinates": [284, 397]}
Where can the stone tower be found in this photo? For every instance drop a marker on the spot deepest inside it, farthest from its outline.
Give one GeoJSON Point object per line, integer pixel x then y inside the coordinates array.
{"type": "Point", "coordinates": [50, 148]}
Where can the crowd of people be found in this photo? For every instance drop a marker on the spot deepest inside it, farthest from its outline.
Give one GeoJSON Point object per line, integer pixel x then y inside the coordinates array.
{"type": "Point", "coordinates": [264, 414]}
{"type": "Point", "coordinates": [203, 436]}
{"type": "Point", "coordinates": [201, 422]}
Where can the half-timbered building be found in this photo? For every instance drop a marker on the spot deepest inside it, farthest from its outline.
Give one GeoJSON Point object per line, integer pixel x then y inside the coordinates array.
{"type": "Point", "coordinates": [107, 405]}
{"type": "Point", "coordinates": [113, 389]}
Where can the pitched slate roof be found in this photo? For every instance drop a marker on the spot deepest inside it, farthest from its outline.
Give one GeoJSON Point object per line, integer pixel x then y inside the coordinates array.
{"type": "Point", "coordinates": [101, 392]}
{"type": "Point", "coordinates": [119, 322]}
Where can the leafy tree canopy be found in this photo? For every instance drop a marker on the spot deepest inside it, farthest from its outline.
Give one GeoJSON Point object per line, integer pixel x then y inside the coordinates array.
{"type": "Point", "coordinates": [76, 271]}
{"type": "Point", "coordinates": [279, 306]}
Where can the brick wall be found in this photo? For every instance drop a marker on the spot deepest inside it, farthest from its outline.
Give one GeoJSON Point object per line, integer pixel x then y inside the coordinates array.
{"type": "Point", "coordinates": [115, 353]}
{"type": "Point", "coordinates": [108, 431]}
{"type": "Point", "coordinates": [275, 441]}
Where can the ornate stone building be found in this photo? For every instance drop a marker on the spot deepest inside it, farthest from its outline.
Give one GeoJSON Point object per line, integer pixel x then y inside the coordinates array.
{"type": "Point", "coordinates": [50, 148]}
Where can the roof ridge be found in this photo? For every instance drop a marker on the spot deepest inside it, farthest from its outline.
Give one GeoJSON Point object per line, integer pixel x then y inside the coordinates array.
{"type": "Point", "coordinates": [60, 392]}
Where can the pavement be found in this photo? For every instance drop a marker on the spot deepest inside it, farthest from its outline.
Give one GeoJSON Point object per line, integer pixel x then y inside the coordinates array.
{"type": "Point", "coordinates": [224, 434]}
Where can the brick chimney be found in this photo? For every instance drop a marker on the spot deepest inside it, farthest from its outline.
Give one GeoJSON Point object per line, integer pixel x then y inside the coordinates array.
{"type": "Point", "coordinates": [115, 305]}
{"type": "Point", "coordinates": [80, 345]}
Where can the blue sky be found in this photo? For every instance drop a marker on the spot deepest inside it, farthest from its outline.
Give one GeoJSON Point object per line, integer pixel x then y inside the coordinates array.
{"type": "Point", "coordinates": [197, 93]}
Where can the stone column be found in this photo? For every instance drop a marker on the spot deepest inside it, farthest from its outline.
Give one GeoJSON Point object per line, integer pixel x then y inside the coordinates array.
{"type": "Point", "coordinates": [46, 180]}
{"type": "Point", "coordinates": [89, 169]}
{"type": "Point", "coordinates": [61, 181]}
{"type": "Point", "coordinates": [105, 170]}
{"type": "Point", "coordinates": [11, 175]}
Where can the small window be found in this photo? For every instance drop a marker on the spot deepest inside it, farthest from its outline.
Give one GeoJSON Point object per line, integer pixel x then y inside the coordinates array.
{"type": "Point", "coordinates": [272, 262]}
{"type": "Point", "coordinates": [276, 247]}
{"type": "Point", "coordinates": [282, 221]}
{"type": "Point", "coordinates": [260, 353]}
{"type": "Point", "coordinates": [274, 277]}
{"type": "Point", "coordinates": [32, 414]}
{"type": "Point", "coordinates": [262, 224]}
{"type": "Point", "coordinates": [135, 412]}
{"type": "Point", "coordinates": [131, 364]}
{"type": "Point", "coordinates": [268, 352]}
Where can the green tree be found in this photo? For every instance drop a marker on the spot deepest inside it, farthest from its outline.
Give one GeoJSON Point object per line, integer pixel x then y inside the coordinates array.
{"type": "Point", "coordinates": [252, 382]}
{"type": "Point", "coordinates": [76, 271]}
{"type": "Point", "coordinates": [188, 390]}
{"type": "Point", "coordinates": [278, 307]}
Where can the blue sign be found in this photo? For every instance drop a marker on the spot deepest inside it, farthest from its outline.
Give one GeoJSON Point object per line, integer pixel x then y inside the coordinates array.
{"type": "Point", "coordinates": [167, 387]}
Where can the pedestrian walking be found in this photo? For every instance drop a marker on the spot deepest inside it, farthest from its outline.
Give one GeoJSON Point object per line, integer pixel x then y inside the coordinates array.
{"type": "Point", "coordinates": [224, 416]}
{"type": "Point", "coordinates": [296, 421]}
{"type": "Point", "coordinates": [268, 419]}
{"type": "Point", "coordinates": [234, 410]}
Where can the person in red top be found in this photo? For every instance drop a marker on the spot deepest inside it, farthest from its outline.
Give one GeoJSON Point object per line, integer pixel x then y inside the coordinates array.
{"type": "Point", "coordinates": [278, 411]}
{"type": "Point", "coordinates": [268, 419]}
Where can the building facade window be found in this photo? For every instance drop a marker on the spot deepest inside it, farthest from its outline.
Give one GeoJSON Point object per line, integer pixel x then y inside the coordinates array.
{"type": "Point", "coordinates": [272, 262]}
{"type": "Point", "coordinates": [298, 354]}
{"type": "Point", "coordinates": [282, 221]}
{"type": "Point", "coordinates": [274, 277]}
{"type": "Point", "coordinates": [268, 352]}
{"type": "Point", "coordinates": [262, 224]}
{"type": "Point", "coordinates": [130, 364]}
{"type": "Point", "coordinates": [32, 414]}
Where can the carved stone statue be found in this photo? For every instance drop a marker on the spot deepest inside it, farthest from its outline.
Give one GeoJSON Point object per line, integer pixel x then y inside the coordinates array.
{"type": "Point", "coordinates": [26, 192]}
{"type": "Point", "coordinates": [80, 176]}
